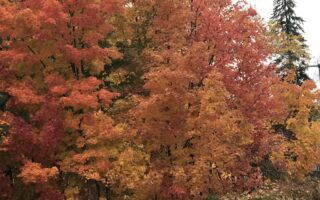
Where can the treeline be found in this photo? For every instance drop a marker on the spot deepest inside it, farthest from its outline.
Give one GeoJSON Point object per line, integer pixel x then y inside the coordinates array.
{"type": "Point", "coordinates": [147, 99]}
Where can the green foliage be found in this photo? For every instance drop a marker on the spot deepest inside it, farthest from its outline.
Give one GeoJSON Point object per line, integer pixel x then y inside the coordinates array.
{"type": "Point", "coordinates": [292, 52]}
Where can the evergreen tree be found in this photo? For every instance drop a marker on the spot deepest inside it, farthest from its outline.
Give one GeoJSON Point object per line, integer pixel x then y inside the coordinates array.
{"type": "Point", "coordinates": [290, 25]}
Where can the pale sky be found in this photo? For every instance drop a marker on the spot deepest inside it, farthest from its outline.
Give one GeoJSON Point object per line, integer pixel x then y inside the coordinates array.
{"type": "Point", "coordinates": [309, 10]}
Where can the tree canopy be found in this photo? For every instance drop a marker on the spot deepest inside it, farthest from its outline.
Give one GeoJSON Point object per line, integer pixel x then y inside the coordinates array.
{"type": "Point", "coordinates": [145, 99]}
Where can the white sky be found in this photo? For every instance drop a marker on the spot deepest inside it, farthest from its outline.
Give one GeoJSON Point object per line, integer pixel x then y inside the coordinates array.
{"type": "Point", "coordinates": [309, 10]}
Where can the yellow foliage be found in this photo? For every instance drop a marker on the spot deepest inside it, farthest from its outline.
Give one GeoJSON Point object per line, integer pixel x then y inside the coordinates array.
{"type": "Point", "coordinates": [118, 76]}
{"type": "Point", "coordinates": [221, 135]}
{"type": "Point", "coordinates": [281, 42]}
{"type": "Point", "coordinates": [300, 154]}
{"type": "Point", "coordinates": [128, 171]}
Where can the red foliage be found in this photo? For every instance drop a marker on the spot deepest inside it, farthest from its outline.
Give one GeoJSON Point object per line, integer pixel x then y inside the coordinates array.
{"type": "Point", "coordinates": [50, 193]}
{"type": "Point", "coordinates": [202, 124]}
{"type": "Point", "coordinates": [22, 138]}
{"type": "Point", "coordinates": [40, 138]}
{"type": "Point", "coordinates": [177, 192]}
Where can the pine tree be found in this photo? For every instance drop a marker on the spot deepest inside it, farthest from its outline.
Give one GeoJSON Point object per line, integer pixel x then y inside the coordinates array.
{"type": "Point", "coordinates": [290, 25]}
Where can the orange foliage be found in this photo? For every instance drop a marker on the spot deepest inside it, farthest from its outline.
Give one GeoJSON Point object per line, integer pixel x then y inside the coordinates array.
{"type": "Point", "coordinates": [206, 113]}
{"type": "Point", "coordinates": [35, 173]}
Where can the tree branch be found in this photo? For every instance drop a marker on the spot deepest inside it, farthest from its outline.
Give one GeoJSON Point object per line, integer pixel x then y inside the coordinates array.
{"type": "Point", "coordinates": [33, 52]}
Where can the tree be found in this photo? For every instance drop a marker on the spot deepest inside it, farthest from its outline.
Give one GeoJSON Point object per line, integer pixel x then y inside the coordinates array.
{"type": "Point", "coordinates": [213, 74]}
{"type": "Point", "coordinates": [50, 58]}
{"type": "Point", "coordinates": [294, 53]}
{"type": "Point", "coordinates": [298, 152]}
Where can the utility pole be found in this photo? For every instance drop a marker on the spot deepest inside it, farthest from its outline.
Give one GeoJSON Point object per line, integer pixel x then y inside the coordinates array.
{"type": "Point", "coordinates": [318, 66]}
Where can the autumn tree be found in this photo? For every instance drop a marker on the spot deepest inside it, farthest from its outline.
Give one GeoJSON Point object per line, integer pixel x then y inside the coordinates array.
{"type": "Point", "coordinates": [50, 55]}
{"type": "Point", "coordinates": [173, 117]}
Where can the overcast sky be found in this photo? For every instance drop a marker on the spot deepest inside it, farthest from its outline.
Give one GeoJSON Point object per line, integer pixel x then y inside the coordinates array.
{"type": "Point", "coordinates": [309, 10]}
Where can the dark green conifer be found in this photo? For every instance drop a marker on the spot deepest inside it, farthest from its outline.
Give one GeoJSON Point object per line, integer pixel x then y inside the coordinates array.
{"type": "Point", "coordinates": [291, 24]}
